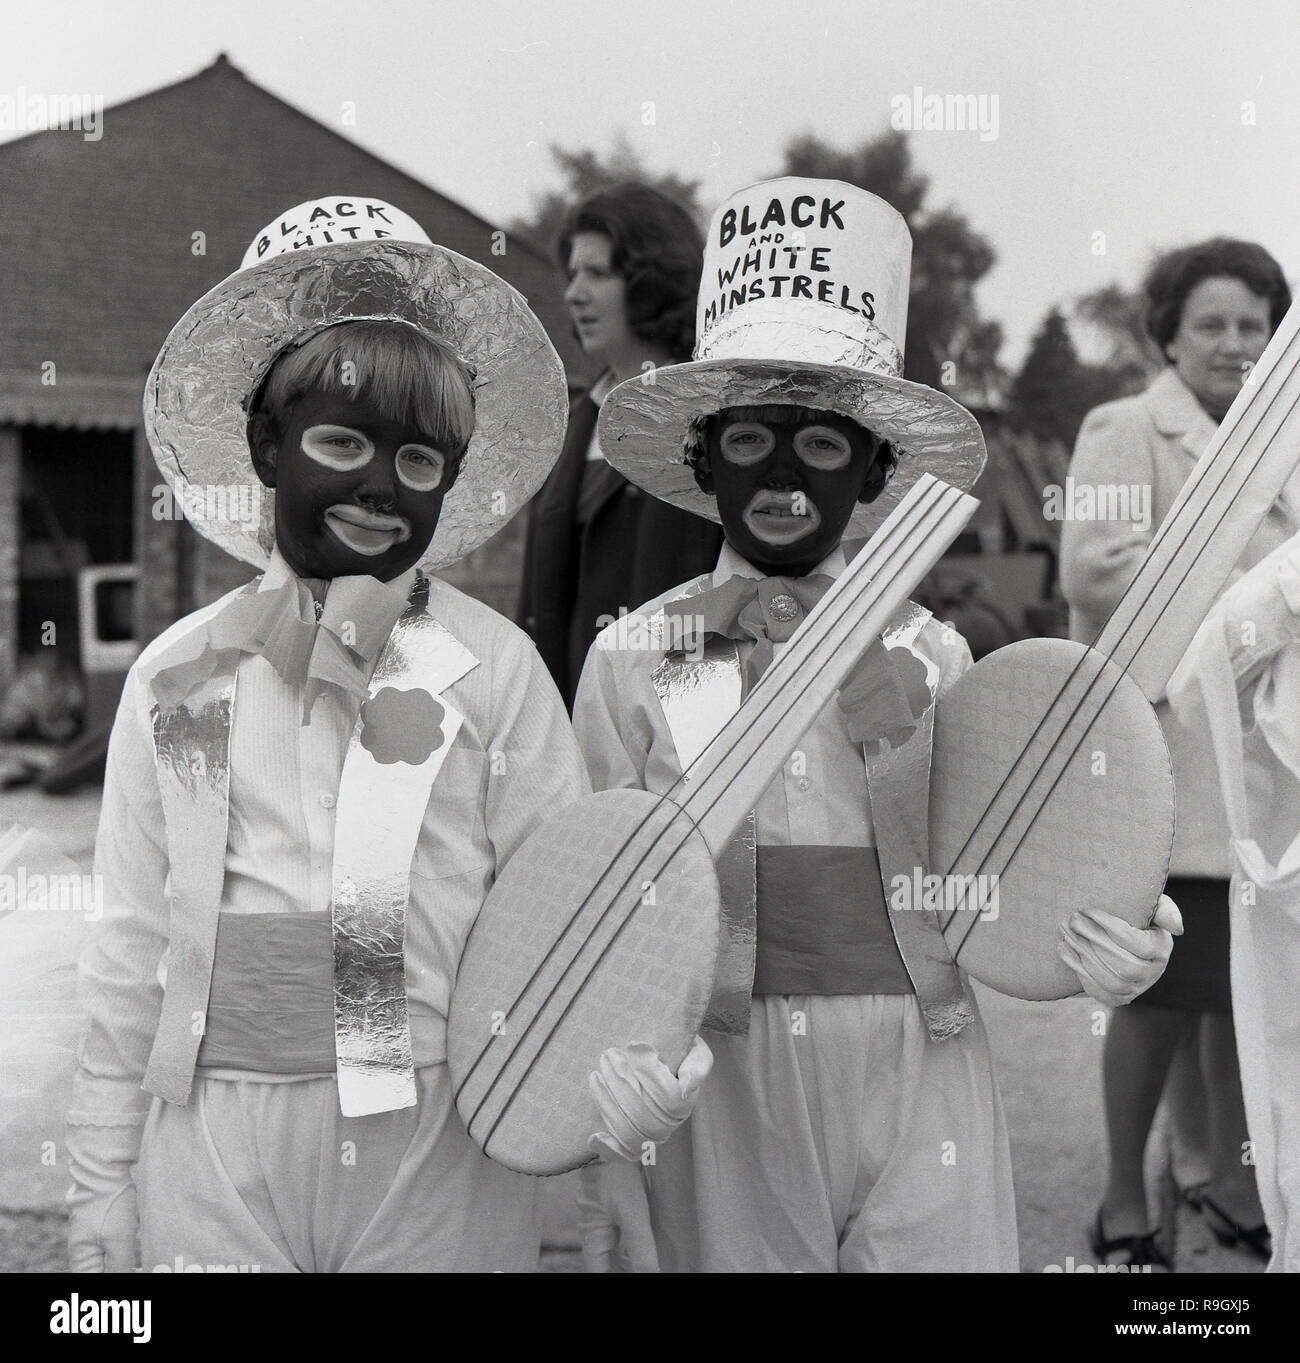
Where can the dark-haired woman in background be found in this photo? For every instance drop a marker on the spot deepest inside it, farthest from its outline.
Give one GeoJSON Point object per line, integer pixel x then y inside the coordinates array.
{"type": "Point", "coordinates": [596, 545]}
{"type": "Point", "coordinates": [1211, 309]}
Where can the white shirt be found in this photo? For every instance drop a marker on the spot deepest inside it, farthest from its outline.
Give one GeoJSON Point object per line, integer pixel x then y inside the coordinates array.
{"type": "Point", "coordinates": [600, 390]}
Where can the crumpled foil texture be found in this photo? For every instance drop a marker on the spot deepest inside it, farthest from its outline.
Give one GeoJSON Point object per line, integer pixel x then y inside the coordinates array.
{"type": "Point", "coordinates": [219, 352]}
{"type": "Point", "coordinates": [644, 423]}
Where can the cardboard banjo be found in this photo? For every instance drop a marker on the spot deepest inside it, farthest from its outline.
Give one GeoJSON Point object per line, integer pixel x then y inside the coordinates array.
{"type": "Point", "coordinates": [1050, 767]}
{"type": "Point", "coordinates": [602, 929]}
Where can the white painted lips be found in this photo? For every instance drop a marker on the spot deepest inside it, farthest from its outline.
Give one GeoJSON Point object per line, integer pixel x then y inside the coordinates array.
{"type": "Point", "coordinates": [771, 517]}
{"type": "Point", "coordinates": [365, 532]}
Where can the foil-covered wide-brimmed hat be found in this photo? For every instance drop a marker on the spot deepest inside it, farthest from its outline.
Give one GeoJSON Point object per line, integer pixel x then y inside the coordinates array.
{"type": "Point", "coordinates": [340, 259]}
{"type": "Point", "coordinates": [803, 301]}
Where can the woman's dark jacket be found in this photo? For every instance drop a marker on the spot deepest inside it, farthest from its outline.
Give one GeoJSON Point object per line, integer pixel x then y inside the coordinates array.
{"type": "Point", "coordinates": [579, 576]}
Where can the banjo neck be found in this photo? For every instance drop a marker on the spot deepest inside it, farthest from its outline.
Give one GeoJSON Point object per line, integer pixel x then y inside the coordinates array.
{"type": "Point", "coordinates": [721, 786]}
{"type": "Point", "coordinates": [1235, 482]}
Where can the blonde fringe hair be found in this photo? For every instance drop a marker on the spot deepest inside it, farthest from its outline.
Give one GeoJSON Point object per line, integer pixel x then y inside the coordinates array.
{"type": "Point", "coordinates": [408, 376]}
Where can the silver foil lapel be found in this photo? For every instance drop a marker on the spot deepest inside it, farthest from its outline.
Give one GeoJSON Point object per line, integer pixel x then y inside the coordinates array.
{"type": "Point", "coordinates": [398, 745]}
{"type": "Point", "coordinates": [192, 761]}
{"type": "Point", "coordinates": [898, 779]}
{"type": "Point", "coordinates": [698, 696]}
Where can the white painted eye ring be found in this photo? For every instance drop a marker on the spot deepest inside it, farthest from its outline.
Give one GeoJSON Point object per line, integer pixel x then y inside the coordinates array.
{"type": "Point", "coordinates": [420, 477]}
{"type": "Point", "coordinates": [316, 445]}
{"type": "Point", "coordinates": [737, 449]}
{"type": "Point", "coordinates": [836, 458]}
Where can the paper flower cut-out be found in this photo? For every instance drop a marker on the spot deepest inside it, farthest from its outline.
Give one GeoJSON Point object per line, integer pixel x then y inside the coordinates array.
{"type": "Point", "coordinates": [401, 726]}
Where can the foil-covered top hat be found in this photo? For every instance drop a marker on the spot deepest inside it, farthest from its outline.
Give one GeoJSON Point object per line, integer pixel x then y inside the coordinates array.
{"type": "Point", "coordinates": [338, 259]}
{"type": "Point", "coordinates": [803, 301]}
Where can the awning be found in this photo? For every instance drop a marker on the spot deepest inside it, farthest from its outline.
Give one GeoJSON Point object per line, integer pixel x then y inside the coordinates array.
{"type": "Point", "coordinates": [82, 401]}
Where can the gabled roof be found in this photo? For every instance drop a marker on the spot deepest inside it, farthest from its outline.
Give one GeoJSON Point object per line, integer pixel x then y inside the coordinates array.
{"type": "Point", "coordinates": [97, 238]}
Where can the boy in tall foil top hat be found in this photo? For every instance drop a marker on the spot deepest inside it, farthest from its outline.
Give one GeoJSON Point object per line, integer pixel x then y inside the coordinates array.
{"type": "Point", "coordinates": [851, 1121]}
{"type": "Point", "coordinates": [312, 783]}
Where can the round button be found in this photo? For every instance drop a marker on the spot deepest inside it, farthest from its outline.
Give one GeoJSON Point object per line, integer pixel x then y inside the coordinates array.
{"type": "Point", "coordinates": [805, 783]}
{"type": "Point", "coordinates": [327, 802]}
{"type": "Point", "coordinates": [783, 607]}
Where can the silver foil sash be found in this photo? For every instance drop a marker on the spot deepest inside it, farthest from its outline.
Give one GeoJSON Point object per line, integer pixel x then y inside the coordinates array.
{"type": "Point", "coordinates": [697, 697]}
{"type": "Point", "coordinates": [898, 779]}
{"type": "Point", "coordinates": [192, 760]}
{"type": "Point", "coordinates": [399, 742]}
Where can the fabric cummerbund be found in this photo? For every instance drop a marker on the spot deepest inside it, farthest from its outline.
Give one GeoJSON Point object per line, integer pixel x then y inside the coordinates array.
{"type": "Point", "coordinates": [823, 927]}
{"type": "Point", "coordinates": [271, 1006]}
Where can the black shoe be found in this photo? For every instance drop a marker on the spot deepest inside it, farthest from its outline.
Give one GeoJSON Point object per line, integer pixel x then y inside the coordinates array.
{"type": "Point", "coordinates": [1255, 1240]}
{"type": "Point", "coordinates": [1142, 1250]}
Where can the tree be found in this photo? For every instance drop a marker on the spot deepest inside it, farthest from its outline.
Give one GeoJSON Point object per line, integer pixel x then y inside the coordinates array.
{"type": "Point", "coordinates": [1056, 387]}
{"type": "Point", "coordinates": [1053, 391]}
{"type": "Point", "coordinates": [585, 172]}
{"type": "Point", "coordinates": [948, 345]}
{"type": "Point", "coordinates": [1111, 321]}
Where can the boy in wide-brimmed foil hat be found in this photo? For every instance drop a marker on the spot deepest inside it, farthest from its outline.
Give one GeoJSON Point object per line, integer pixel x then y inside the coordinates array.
{"type": "Point", "coordinates": [851, 1121]}
{"type": "Point", "coordinates": [312, 783]}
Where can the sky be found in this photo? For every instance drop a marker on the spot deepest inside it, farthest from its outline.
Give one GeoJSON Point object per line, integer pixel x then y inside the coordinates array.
{"type": "Point", "coordinates": [1112, 128]}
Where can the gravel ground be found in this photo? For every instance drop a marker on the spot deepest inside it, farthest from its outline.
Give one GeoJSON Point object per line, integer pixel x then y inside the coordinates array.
{"type": "Point", "coordinates": [33, 1242]}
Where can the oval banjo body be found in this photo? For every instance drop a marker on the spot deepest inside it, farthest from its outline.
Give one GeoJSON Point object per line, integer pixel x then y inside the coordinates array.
{"type": "Point", "coordinates": [1050, 773]}
{"type": "Point", "coordinates": [602, 930]}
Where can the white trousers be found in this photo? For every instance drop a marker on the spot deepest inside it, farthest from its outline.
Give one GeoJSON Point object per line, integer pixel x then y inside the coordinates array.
{"type": "Point", "coordinates": [838, 1137]}
{"type": "Point", "coordinates": [271, 1178]}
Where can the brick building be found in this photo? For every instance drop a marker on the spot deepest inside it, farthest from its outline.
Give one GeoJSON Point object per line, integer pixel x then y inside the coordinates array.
{"type": "Point", "coordinates": [103, 245]}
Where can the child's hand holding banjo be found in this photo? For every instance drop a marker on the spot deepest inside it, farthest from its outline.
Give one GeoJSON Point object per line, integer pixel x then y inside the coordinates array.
{"type": "Point", "coordinates": [1114, 960]}
{"type": "Point", "coordinates": [640, 1099]}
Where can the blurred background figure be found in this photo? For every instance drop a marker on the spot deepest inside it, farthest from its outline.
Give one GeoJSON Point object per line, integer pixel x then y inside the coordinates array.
{"type": "Point", "coordinates": [1210, 309]}
{"type": "Point", "coordinates": [596, 545]}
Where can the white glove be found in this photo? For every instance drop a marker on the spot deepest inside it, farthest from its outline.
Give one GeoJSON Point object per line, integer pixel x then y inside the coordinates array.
{"type": "Point", "coordinates": [103, 1223]}
{"type": "Point", "coordinates": [614, 1218]}
{"type": "Point", "coordinates": [640, 1099]}
{"type": "Point", "coordinates": [1115, 961]}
